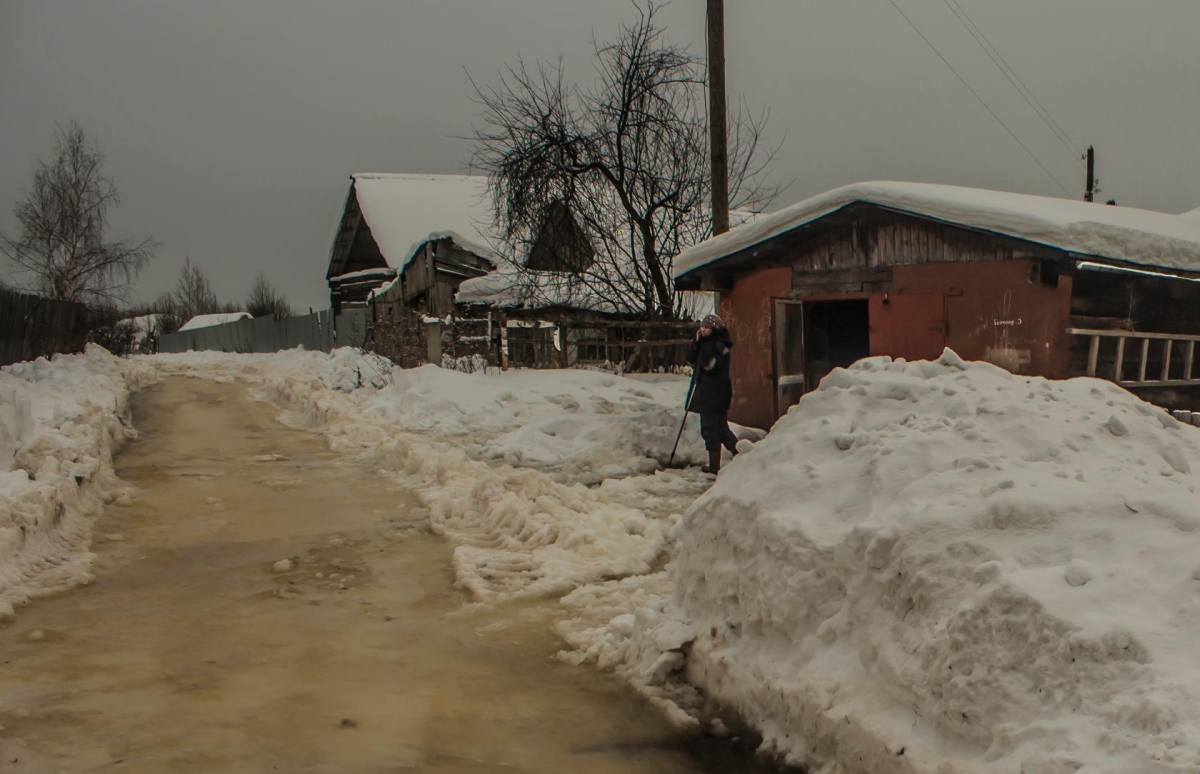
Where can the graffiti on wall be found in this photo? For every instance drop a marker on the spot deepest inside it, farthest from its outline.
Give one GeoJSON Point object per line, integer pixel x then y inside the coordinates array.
{"type": "Point", "coordinates": [1003, 351]}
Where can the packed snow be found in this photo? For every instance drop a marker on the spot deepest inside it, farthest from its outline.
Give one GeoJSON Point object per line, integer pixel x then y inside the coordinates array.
{"type": "Point", "coordinates": [405, 211]}
{"type": "Point", "coordinates": [543, 480]}
{"type": "Point", "coordinates": [61, 420]}
{"type": "Point", "coordinates": [209, 320]}
{"type": "Point", "coordinates": [937, 567]}
{"type": "Point", "coordinates": [1118, 233]}
{"type": "Point", "coordinates": [930, 568]}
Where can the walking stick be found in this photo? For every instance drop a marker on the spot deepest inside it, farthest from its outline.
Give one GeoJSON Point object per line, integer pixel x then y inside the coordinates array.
{"type": "Point", "coordinates": [687, 401]}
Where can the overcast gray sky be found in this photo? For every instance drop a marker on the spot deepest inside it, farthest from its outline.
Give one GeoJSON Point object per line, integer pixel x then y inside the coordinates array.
{"type": "Point", "coordinates": [231, 127]}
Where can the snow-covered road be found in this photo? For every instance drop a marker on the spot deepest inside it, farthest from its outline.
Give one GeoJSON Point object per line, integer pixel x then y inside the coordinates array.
{"type": "Point", "coordinates": [927, 568]}
{"type": "Point", "coordinates": [262, 603]}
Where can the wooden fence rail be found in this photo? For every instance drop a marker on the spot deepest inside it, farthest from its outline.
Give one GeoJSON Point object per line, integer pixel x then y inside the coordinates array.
{"type": "Point", "coordinates": [1184, 376]}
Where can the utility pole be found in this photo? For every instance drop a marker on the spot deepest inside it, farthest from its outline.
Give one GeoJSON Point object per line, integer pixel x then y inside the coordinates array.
{"type": "Point", "coordinates": [717, 116]}
{"type": "Point", "coordinates": [1090, 194]}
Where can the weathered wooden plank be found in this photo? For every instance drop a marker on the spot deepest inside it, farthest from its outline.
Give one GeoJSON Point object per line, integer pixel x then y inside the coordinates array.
{"type": "Point", "coordinates": [1093, 354]}
{"type": "Point", "coordinates": [1188, 359]}
{"type": "Point", "coordinates": [1170, 383]}
{"type": "Point", "coordinates": [1166, 368]}
{"type": "Point", "coordinates": [858, 274]}
{"type": "Point", "coordinates": [1145, 357]}
{"type": "Point", "coordinates": [1120, 361]}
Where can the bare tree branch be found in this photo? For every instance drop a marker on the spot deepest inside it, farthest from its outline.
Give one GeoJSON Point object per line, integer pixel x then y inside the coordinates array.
{"type": "Point", "coordinates": [628, 156]}
{"type": "Point", "coordinates": [264, 300]}
{"type": "Point", "coordinates": [63, 217]}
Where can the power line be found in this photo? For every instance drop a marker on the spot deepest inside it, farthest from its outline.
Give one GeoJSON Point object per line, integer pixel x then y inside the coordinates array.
{"type": "Point", "coordinates": [981, 100]}
{"type": "Point", "coordinates": [1006, 70]}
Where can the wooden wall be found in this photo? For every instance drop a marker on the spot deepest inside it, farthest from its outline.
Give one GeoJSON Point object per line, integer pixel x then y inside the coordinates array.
{"type": "Point", "coordinates": [33, 327]}
{"type": "Point", "coordinates": [1135, 302]}
{"type": "Point", "coordinates": [869, 237]}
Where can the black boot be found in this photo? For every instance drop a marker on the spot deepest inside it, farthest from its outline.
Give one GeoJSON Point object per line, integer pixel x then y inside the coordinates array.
{"type": "Point", "coordinates": [714, 462]}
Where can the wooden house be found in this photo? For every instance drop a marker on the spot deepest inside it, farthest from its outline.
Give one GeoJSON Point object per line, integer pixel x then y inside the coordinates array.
{"type": "Point", "coordinates": [1042, 286]}
{"type": "Point", "coordinates": [408, 241]}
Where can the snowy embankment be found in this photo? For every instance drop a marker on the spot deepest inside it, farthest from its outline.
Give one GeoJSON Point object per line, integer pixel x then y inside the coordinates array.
{"type": "Point", "coordinates": [504, 462]}
{"type": "Point", "coordinates": [938, 567]}
{"type": "Point", "coordinates": [61, 421]}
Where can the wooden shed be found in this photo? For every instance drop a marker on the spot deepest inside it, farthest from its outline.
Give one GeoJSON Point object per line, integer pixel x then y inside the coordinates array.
{"type": "Point", "coordinates": [1037, 285]}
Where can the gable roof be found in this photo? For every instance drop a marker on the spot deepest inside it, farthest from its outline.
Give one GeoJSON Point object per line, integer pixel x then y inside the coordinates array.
{"type": "Point", "coordinates": [1123, 234]}
{"type": "Point", "coordinates": [401, 209]}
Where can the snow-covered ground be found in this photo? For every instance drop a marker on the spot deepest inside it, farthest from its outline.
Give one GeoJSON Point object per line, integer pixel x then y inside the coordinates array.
{"type": "Point", "coordinates": [61, 420]}
{"type": "Point", "coordinates": [543, 480]}
{"type": "Point", "coordinates": [926, 568]}
{"type": "Point", "coordinates": [937, 567]}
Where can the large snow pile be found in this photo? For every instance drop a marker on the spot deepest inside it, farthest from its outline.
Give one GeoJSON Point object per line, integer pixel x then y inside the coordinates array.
{"type": "Point", "coordinates": [506, 463]}
{"type": "Point", "coordinates": [941, 567]}
{"type": "Point", "coordinates": [60, 422]}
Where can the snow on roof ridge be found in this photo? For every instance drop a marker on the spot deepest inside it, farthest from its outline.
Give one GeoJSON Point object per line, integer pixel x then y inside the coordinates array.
{"type": "Point", "coordinates": [415, 176]}
{"type": "Point", "coordinates": [216, 318]}
{"type": "Point", "coordinates": [1121, 233]}
{"type": "Point", "coordinates": [406, 210]}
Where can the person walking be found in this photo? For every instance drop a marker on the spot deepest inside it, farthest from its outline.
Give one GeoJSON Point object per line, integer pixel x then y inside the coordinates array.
{"type": "Point", "coordinates": [709, 355]}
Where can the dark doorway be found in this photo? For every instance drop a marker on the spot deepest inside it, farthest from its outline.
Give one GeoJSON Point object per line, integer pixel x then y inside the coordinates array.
{"type": "Point", "coordinates": [837, 334]}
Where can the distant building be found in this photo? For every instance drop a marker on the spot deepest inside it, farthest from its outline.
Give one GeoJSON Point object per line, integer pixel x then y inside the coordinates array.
{"type": "Point", "coordinates": [209, 320]}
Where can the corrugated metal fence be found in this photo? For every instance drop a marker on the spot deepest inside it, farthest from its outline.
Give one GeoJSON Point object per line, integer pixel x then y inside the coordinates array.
{"type": "Point", "coordinates": [266, 334]}
{"type": "Point", "coordinates": [32, 327]}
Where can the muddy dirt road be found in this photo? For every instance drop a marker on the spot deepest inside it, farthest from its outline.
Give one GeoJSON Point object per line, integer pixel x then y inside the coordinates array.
{"type": "Point", "coordinates": [193, 652]}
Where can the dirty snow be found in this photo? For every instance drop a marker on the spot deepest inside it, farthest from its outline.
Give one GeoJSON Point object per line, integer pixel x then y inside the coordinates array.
{"type": "Point", "coordinates": [61, 420]}
{"type": "Point", "coordinates": [935, 567]}
{"type": "Point", "coordinates": [925, 568]}
{"type": "Point", "coordinates": [505, 462]}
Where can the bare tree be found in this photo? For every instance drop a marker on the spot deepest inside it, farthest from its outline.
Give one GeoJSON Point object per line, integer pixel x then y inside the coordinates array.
{"type": "Point", "coordinates": [194, 294]}
{"type": "Point", "coordinates": [63, 218]}
{"type": "Point", "coordinates": [629, 158]}
{"type": "Point", "coordinates": [264, 300]}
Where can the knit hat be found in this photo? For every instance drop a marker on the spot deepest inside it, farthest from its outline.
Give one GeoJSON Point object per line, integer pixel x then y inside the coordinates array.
{"type": "Point", "coordinates": [712, 321]}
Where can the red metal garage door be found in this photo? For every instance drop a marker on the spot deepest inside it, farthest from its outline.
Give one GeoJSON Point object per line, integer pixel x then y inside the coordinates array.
{"type": "Point", "coordinates": [908, 325]}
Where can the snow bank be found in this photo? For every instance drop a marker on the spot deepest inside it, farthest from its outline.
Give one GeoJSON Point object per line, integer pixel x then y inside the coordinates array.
{"type": "Point", "coordinates": [502, 461]}
{"type": "Point", "coordinates": [943, 567]}
{"type": "Point", "coordinates": [60, 423]}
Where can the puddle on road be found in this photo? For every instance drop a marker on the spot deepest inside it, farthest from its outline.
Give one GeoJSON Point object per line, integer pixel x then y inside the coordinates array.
{"type": "Point", "coordinates": [193, 652]}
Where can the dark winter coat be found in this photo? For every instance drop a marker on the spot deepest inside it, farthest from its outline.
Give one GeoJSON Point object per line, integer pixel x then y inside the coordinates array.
{"type": "Point", "coordinates": [710, 357]}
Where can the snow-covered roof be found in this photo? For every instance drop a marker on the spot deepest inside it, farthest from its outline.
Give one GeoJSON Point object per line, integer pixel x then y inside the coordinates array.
{"type": "Point", "coordinates": [510, 287]}
{"type": "Point", "coordinates": [1192, 213]}
{"type": "Point", "coordinates": [405, 211]}
{"type": "Point", "coordinates": [364, 274]}
{"type": "Point", "coordinates": [1118, 233]}
{"type": "Point", "coordinates": [145, 324]}
{"type": "Point", "coordinates": [209, 320]}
